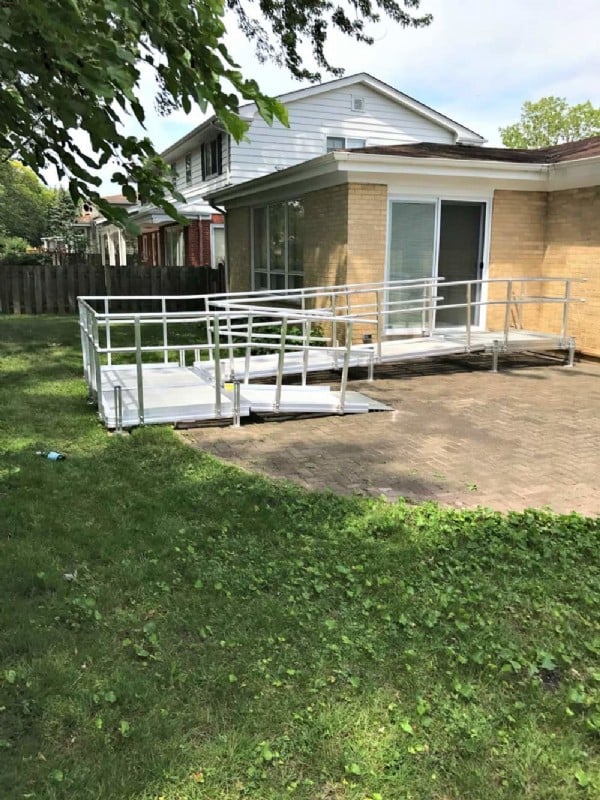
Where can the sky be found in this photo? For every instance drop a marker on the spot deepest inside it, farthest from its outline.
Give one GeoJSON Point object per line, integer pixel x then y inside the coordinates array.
{"type": "Point", "coordinates": [477, 62]}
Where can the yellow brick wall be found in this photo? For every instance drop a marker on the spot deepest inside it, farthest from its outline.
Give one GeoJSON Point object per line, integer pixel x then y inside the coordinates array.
{"type": "Point", "coordinates": [238, 249]}
{"type": "Point", "coordinates": [326, 236]}
{"type": "Point", "coordinates": [516, 249]}
{"type": "Point", "coordinates": [367, 234]}
{"type": "Point", "coordinates": [573, 251]}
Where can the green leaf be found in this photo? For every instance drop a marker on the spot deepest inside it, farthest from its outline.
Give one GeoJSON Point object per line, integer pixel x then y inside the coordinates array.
{"type": "Point", "coordinates": [353, 769]}
{"type": "Point", "coordinates": [266, 753]}
{"type": "Point", "coordinates": [10, 675]}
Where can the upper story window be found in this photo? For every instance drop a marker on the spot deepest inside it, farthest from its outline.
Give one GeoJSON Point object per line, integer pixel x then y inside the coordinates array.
{"type": "Point", "coordinates": [174, 172]}
{"type": "Point", "coordinates": [188, 169]}
{"type": "Point", "coordinates": [212, 157]}
{"type": "Point", "coordinates": [343, 143]}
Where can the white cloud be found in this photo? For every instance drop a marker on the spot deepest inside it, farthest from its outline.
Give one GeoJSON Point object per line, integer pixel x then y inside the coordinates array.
{"type": "Point", "coordinates": [477, 62]}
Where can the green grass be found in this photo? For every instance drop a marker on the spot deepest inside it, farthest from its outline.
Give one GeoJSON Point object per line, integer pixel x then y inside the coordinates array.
{"type": "Point", "coordinates": [171, 627]}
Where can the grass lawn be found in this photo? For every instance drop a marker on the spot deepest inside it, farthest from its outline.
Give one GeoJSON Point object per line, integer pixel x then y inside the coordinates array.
{"type": "Point", "coordinates": [174, 628]}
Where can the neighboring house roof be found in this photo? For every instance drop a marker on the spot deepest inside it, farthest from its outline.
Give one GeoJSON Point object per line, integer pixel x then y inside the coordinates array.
{"type": "Point", "coordinates": [117, 200]}
{"type": "Point", "coordinates": [151, 215]}
{"type": "Point", "coordinates": [247, 111]}
{"type": "Point", "coordinates": [569, 151]}
{"type": "Point", "coordinates": [558, 167]}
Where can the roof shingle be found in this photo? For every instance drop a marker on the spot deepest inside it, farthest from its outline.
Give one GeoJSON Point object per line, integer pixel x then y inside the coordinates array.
{"type": "Point", "coordinates": [570, 151]}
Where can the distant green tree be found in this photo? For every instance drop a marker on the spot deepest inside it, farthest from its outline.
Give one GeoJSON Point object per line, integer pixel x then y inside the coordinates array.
{"type": "Point", "coordinates": [550, 121]}
{"type": "Point", "coordinates": [24, 203]}
{"type": "Point", "coordinates": [62, 223]}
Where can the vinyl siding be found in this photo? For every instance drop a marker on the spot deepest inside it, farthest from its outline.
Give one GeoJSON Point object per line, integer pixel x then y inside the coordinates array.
{"type": "Point", "coordinates": [216, 182]}
{"type": "Point", "coordinates": [329, 114]}
{"type": "Point", "coordinates": [312, 120]}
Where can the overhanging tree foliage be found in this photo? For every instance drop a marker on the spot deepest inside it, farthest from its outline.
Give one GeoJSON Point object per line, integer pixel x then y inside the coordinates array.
{"type": "Point", "coordinates": [550, 121]}
{"type": "Point", "coordinates": [71, 70]}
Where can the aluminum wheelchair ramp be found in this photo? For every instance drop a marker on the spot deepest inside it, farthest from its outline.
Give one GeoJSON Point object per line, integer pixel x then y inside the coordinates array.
{"type": "Point", "coordinates": [170, 394]}
{"type": "Point", "coordinates": [178, 394]}
{"type": "Point", "coordinates": [245, 353]}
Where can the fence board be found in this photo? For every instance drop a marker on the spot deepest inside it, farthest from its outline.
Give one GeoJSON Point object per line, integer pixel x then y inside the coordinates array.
{"type": "Point", "coordinates": [50, 290]}
{"type": "Point", "coordinates": [60, 289]}
{"type": "Point", "coordinates": [4, 290]}
{"type": "Point", "coordinates": [71, 293]}
{"type": "Point", "coordinates": [38, 289]}
{"type": "Point", "coordinates": [16, 290]}
{"type": "Point", "coordinates": [28, 290]}
{"type": "Point", "coordinates": [53, 289]}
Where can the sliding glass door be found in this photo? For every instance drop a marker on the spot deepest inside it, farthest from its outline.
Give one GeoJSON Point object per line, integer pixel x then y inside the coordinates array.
{"type": "Point", "coordinates": [435, 238]}
{"type": "Point", "coordinates": [412, 250]}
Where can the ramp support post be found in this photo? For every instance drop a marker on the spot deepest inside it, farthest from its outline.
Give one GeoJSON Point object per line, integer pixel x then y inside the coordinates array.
{"type": "Point", "coordinates": [280, 363]}
{"type": "Point", "coordinates": [237, 394]}
{"type": "Point", "coordinates": [118, 409]}
{"type": "Point", "coordinates": [139, 369]}
{"type": "Point", "coordinates": [571, 353]}
{"type": "Point", "coordinates": [345, 367]}
{"type": "Point", "coordinates": [495, 352]}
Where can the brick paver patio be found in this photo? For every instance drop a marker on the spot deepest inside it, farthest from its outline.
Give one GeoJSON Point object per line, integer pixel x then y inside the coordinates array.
{"type": "Point", "coordinates": [458, 434]}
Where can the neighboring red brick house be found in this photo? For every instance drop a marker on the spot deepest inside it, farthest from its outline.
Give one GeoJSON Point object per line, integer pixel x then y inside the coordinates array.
{"type": "Point", "coordinates": [198, 244]}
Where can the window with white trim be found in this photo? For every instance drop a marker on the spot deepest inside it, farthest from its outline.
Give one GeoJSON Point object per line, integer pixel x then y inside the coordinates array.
{"type": "Point", "coordinates": [278, 245]}
{"type": "Point", "coordinates": [344, 143]}
{"type": "Point", "coordinates": [174, 246]}
{"type": "Point", "coordinates": [188, 169]}
{"type": "Point", "coordinates": [212, 157]}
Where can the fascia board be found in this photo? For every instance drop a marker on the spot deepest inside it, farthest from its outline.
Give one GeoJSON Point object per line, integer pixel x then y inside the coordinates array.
{"type": "Point", "coordinates": [371, 162]}
{"type": "Point", "coordinates": [574, 174]}
{"type": "Point", "coordinates": [181, 146]}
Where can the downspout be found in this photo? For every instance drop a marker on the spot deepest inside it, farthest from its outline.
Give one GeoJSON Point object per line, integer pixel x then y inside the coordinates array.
{"type": "Point", "coordinates": [223, 213]}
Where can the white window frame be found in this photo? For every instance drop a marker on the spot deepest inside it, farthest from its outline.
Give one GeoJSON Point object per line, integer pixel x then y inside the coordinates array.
{"type": "Point", "coordinates": [210, 166]}
{"type": "Point", "coordinates": [286, 272]}
{"type": "Point", "coordinates": [175, 231]}
{"type": "Point", "coordinates": [213, 256]}
{"type": "Point", "coordinates": [346, 140]}
{"type": "Point", "coordinates": [486, 201]}
{"type": "Point", "coordinates": [188, 169]}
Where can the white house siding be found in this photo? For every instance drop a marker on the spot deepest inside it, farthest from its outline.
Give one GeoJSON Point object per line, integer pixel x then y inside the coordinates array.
{"type": "Point", "coordinates": [312, 119]}
{"type": "Point", "coordinates": [214, 183]}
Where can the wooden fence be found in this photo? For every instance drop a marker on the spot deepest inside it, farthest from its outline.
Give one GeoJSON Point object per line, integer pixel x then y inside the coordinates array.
{"type": "Point", "coordinates": [48, 289]}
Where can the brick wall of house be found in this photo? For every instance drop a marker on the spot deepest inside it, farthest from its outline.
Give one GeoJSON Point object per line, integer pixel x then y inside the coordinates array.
{"type": "Point", "coordinates": [517, 248]}
{"type": "Point", "coordinates": [325, 236]}
{"type": "Point", "coordinates": [573, 250]}
{"type": "Point", "coordinates": [544, 234]}
{"type": "Point", "coordinates": [367, 244]}
{"type": "Point", "coordinates": [192, 238]}
{"type": "Point", "coordinates": [237, 232]}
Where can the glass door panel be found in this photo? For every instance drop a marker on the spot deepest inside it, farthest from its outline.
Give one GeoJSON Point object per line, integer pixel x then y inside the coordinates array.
{"type": "Point", "coordinates": [412, 250]}
{"type": "Point", "coordinates": [459, 259]}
